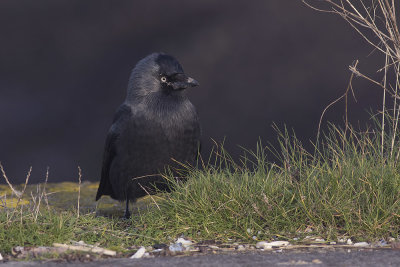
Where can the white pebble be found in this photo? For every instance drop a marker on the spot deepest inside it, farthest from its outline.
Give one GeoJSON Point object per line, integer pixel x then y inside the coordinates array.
{"type": "Point", "coordinates": [269, 245]}
{"type": "Point", "coordinates": [349, 242]}
{"type": "Point", "coordinates": [254, 237]}
{"type": "Point", "coordinates": [139, 254]}
{"type": "Point", "coordinates": [319, 240]}
{"type": "Point", "coordinates": [184, 242]}
{"type": "Point", "coordinates": [240, 248]}
{"type": "Point", "coordinates": [361, 244]}
{"type": "Point", "coordinates": [332, 243]}
{"type": "Point", "coordinates": [249, 230]}
{"type": "Point", "coordinates": [341, 240]}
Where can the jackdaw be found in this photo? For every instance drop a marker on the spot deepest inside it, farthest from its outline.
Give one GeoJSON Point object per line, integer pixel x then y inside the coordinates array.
{"type": "Point", "coordinates": [156, 127]}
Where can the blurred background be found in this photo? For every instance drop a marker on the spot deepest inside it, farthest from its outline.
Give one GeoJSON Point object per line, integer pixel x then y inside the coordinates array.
{"type": "Point", "coordinates": [64, 68]}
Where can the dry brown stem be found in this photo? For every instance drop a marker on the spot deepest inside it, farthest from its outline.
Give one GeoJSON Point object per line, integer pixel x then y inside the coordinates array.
{"type": "Point", "coordinates": [79, 188]}
{"type": "Point", "coordinates": [17, 193]}
{"type": "Point", "coordinates": [376, 22]}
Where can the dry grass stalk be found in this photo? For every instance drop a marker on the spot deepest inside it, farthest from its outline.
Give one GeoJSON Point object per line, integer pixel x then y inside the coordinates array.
{"type": "Point", "coordinates": [376, 22]}
{"type": "Point", "coordinates": [39, 196]}
{"type": "Point", "coordinates": [17, 193]}
{"type": "Point", "coordinates": [345, 96]}
{"type": "Point", "coordinates": [26, 182]}
{"type": "Point", "coordinates": [44, 190]}
{"type": "Point", "coordinates": [79, 188]}
{"type": "Point", "coordinates": [149, 195]}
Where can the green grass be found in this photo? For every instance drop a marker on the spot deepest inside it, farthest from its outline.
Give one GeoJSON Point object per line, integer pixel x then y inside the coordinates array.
{"type": "Point", "coordinates": [347, 187]}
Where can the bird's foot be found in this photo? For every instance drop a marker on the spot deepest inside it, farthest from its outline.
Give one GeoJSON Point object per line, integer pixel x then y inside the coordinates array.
{"type": "Point", "coordinates": [127, 215]}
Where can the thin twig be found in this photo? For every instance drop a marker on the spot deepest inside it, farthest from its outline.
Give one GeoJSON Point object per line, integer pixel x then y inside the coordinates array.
{"type": "Point", "coordinates": [44, 189]}
{"type": "Point", "coordinates": [384, 105]}
{"type": "Point", "coordinates": [17, 193]}
{"type": "Point", "coordinates": [349, 88]}
{"type": "Point", "coordinates": [149, 196]}
{"type": "Point", "coordinates": [79, 187]}
{"type": "Point", "coordinates": [26, 182]}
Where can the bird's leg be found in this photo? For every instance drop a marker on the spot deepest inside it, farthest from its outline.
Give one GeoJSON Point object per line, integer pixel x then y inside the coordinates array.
{"type": "Point", "coordinates": [127, 214]}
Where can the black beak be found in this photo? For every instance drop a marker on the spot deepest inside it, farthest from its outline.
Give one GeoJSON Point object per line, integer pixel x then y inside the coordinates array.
{"type": "Point", "coordinates": [184, 82]}
{"type": "Point", "coordinates": [192, 82]}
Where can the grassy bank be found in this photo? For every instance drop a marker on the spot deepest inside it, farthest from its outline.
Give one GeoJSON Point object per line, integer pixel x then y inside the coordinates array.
{"type": "Point", "coordinates": [346, 188]}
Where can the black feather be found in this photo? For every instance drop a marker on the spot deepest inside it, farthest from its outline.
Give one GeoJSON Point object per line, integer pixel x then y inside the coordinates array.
{"type": "Point", "coordinates": [154, 128]}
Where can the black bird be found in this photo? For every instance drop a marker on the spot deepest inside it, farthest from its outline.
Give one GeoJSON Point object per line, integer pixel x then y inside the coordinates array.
{"type": "Point", "coordinates": [156, 127]}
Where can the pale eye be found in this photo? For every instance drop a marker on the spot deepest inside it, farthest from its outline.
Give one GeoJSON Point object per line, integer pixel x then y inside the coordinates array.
{"type": "Point", "coordinates": [164, 79]}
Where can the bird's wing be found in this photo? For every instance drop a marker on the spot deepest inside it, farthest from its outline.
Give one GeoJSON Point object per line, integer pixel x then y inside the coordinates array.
{"type": "Point", "coordinates": [105, 187]}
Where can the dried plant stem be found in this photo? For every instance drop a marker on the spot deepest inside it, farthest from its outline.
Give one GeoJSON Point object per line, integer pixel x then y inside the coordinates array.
{"type": "Point", "coordinates": [26, 182]}
{"type": "Point", "coordinates": [18, 194]}
{"type": "Point", "coordinates": [348, 89]}
{"type": "Point", "coordinates": [79, 188]}
{"type": "Point", "coordinates": [384, 105]}
{"type": "Point", "coordinates": [376, 23]}
{"type": "Point", "coordinates": [149, 195]}
{"type": "Point", "coordinates": [44, 189]}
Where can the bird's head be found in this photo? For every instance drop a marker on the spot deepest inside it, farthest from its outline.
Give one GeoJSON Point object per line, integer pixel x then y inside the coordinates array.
{"type": "Point", "coordinates": [158, 72]}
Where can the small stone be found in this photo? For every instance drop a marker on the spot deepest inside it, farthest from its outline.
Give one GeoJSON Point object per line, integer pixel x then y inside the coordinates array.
{"type": "Point", "coordinates": [392, 239]}
{"type": "Point", "coordinates": [349, 242]}
{"type": "Point", "coordinates": [177, 247]}
{"type": "Point", "coordinates": [269, 245]}
{"type": "Point", "coordinates": [319, 240]}
{"type": "Point", "coordinates": [241, 248]}
{"type": "Point", "coordinates": [332, 243]}
{"type": "Point", "coordinates": [361, 244]}
{"type": "Point", "coordinates": [316, 261]}
{"type": "Point", "coordinates": [184, 242]}
{"type": "Point", "coordinates": [254, 237]}
{"type": "Point", "coordinates": [160, 246]}
{"type": "Point", "coordinates": [249, 230]}
{"type": "Point", "coordinates": [296, 238]}
{"type": "Point", "coordinates": [341, 240]}
{"type": "Point", "coordinates": [381, 243]}
{"type": "Point", "coordinates": [139, 254]}
{"type": "Point", "coordinates": [213, 247]}
{"type": "Point", "coordinates": [227, 249]}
